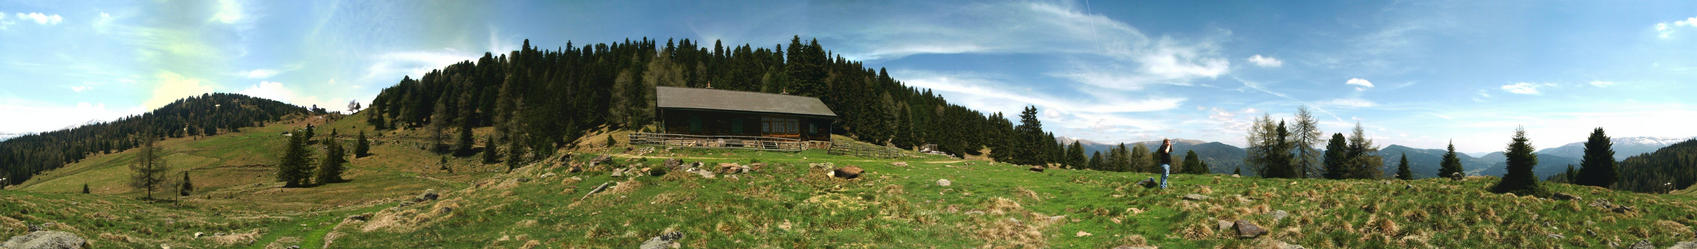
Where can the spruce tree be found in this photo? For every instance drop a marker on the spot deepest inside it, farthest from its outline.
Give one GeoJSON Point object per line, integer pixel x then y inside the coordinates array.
{"type": "Point", "coordinates": [1075, 155]}
{"type": "Point", "coordinates": [1364, 161]}
{"type": "Point", "coordinates": [1597, 167]}
{"type": "Point", "coordinates": [293, 169]}
{"type": "Point", "coordinates": [1237, 171]}
{"type": "Point", "coordinates": [362, 147]}
{"type": "Point", "coordinates": [1519, 179]}
{"type": "Point", "coordinates": [1570, 176]}
{"type": "Point", "coordinates": [515, 153]}
{"type": "Point", "coordinates": [1193, 164]}
{"type": "Point", "coordinates": [85, 188]}
{"type": "Point", "coordinates": [186, 188]}
{"type": "Point", "coordinates": [1335, 157]}
{"type": "Point", "coordinates": [489, 155]}
{"type": "Point", "coordinates": [1141, 159]}
{"type": "Point", "coordinates": [1095, 161]}
{"type": "Point", "coordinates": [330, 167]}
{"type": "Point", "coordinates": [1402, 171]}
{"type": "Point", "coordinates": [1451, 164]}
{"type": "Point", "coordinates": [463, 144]}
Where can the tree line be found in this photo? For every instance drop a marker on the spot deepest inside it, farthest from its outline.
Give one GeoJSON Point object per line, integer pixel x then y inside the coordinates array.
{"type": "Point", "coordinates": [205, 115]}
{"type": "Point", "coordinates": [538, 100]}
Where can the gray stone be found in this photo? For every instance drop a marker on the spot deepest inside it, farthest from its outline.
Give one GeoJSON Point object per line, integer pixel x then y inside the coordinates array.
{"type": "Point", "coordinates": [1278, 215]}
{"type": "Point", "coordinates": [46, 240]}
{"type": "Point", "coordinates": [1684, 245]}
{"type": "Point", "coordinates": [849, 172]}
{"type": "Point", "coordinates": [1149, 183]}
{"type": "Point", "coordinates": [1196, 197]}
{"type": "Point", "coordinates": [1225, 225]}
{"type": "Point", "coordinates": [899, 164]}
{"type": "Point", "coordinates": [1246, 230]}
{"type": "Point", "coordinates": [1283, 245]}
{"type": "Point", "coordinates": [1564, 196]}
{"type": "Point", "coordinates": [943, 182]}
{"type": "Point", "coordinates": [663, 241]}
{"type": "Point", "coordinates": [1642, 244]}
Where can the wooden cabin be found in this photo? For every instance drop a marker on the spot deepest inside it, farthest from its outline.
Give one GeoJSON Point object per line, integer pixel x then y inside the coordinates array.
{"type": "Point", "coordinates": [713, 112]}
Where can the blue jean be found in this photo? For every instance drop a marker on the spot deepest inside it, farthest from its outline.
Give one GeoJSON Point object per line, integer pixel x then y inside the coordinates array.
{"type": "Point", "coordinates": [1165, 169]}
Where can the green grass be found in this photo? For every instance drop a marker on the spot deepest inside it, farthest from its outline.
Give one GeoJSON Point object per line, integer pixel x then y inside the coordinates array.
{"type": "Point", "coordinates": [788, 204]}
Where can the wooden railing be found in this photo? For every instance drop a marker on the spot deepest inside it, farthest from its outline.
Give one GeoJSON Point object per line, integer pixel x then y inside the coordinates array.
{"type": "Point", "coordinates": [864, 150]}
{"type": "Point", "coordinates": [711, 141]}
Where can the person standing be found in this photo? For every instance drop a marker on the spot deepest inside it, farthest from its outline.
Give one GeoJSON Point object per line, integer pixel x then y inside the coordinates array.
{"type": "Point", "coordinates": [1165, 155]}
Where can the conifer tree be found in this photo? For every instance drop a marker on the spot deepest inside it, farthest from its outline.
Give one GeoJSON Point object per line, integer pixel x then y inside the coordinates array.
{"type": "Point", "coordinates": [1075, 155]}
{"type": "Point", "coordinates": [1597, 166]}
{"type": "Point", "coordinates": [1402, 171]}
{"type": "Point", "coordinates": [293, 169]}
{"type": "Point", "coordinates": [489, 155]}
{"type": "Point", "coordinates": [1336, 149]}
{"type": "Point", "coordinates": [515, 153]}
{"type": "Point", "coordinates": [148, 171]}
{"type": "Point", "coordinates": [1451, 164]}
{"type": "Point", "coordinates": [1519, 179]}
{"type": "Point", "coordinates": [362, 147]}
{"type": "Point", "coordinates": [1237, 171]}
{"type": "Point", "coordinates": [1193, 164]}
{"type": "Point", "coordinates": [1305, 134]}
{"type": "Point", "coordinates": [1095, 161]}
{"type": "Point", "coordinates": [1570, 176]}
{"type": "Point", "coordinates": [185, 189]}
{"type": "Point", "coordinates": [1363, 158]}
{"type": "Point", "coordinates": [463, 144]}
{"type": "Point", "coordinates": [1142, 160]}
{"type": "Point", "coordinates": [85, 188]}
{"type": "Point", "coordinates": [330, 167]}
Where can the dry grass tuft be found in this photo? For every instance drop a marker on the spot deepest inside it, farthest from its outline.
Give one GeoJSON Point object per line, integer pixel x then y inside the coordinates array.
{"type": "Point", "coordinates": [1027, 193]}
{"type": "Point", "coordinates": [233, 238]}
{"type": "Point", "coordinates": [624, 187]}
{"type": "Point", "coordinates": [1001, 205]}
{"type": "Point", "coordinates": [1198, 231]}
{"type": "Point", "coordinates": [1010, 233]}
{"type": "Point", "coordinates": [1674, 229]}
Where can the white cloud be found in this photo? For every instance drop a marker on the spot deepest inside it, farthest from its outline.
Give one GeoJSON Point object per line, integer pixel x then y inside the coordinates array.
{"type": "Point", "coordinates": [982, 88]}
{"type": "Point", "coordinates": [391, 66]}
{"type": "Point", "coordinates": [172, 86]}
{"type": "Point", "coordinates": [259, 73]}
{"type": "Point", "coordinates": [1361, 84]}
{"type": "Point", "coordinates": [39, 18]}
{"type": "Point", "coordinates": [1526, 88]}
{"type": "Point", "coordinates": [269, 90]}
{"type": "Point", "coordinates": [45, 116]}
{"type": "Point", "coordinates": [1599, 83]}
{"type": "Point", "coordinates": [1264, 61]}
{"type": "Point", "coordinates": [229, 12]}
{"type": "Point", "coordinates": [1665, 29]}
{"type": "Point", "coordinates": [80, 88]}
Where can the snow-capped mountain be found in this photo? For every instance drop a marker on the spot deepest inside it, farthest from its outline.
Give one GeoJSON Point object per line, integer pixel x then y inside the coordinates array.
{"type": "Point", "coordinates": [1623, 146]}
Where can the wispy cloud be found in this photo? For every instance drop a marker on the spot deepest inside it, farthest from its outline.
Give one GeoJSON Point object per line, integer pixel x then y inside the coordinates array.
{"type": "Point", "coordinates": [258, 73]}
{"type": "Point", "coordinates": [1265, 61]}
{"type": "Point", "coordinates": [1349, 103]}
{"type": "Point", "coordinates": [172, 86]}
{"type": "Point", "coordinates": [1599, 83]}
{"type": "Point", "coordinates": [1665, 30]}
{"type": "Point", "coordinates": [39, 18]}
{"type": "Point", "coordinates": [1526, 88]}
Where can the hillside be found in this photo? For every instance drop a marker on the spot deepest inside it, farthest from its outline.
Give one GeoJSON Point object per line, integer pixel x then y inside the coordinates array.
{"type": "Point", "coordinates": [1548, 165]}
{"type": "Point", "coordinates": [24, 156]}
{"type": "Point", "coordinates": [1425, 162]}
{"type": "Point", "coordinates": [1669, 168]}
{"type": "Point", "coordinates": [1222, 158]}
{"type": "Point", "coordinates": [789, 202]}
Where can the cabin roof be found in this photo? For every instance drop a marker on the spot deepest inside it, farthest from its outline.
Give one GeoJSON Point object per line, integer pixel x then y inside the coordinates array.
{"type": "Point", "coordinates": [727, 100]}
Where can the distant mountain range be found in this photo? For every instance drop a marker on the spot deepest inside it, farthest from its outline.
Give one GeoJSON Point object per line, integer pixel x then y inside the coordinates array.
{"type": "Point", "coordinates": [1223, 158]}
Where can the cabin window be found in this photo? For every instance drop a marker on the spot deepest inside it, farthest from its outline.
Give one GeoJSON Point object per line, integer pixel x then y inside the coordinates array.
{"type": "Point", "coordinates": [779, 126]}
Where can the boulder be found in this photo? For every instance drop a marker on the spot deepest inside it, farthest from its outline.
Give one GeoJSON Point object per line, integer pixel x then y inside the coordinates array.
{"type": "Point", "coordinates": [1457, 176]}
{"type": "Point", "coordinates": [732, 168]}
{"type": "Point", "coordinates": [655, 171]}
{"type": "Point", "coordinates": [1564, 196]}
{"type": "Point", "coordinates": [1642, 244]}
{"type": "Point", "coordinates": [1685, 245]}
{"type": "Point", "coordinates": [1246, 230]}
{"type": "Point", "coordinates": [849, 172]}
{"type": "Point", "coordinates": [663, 241]}
{"type": "Point", "coordinates": [1195, 197]}
{"type": "Point", "coordinates": [703, 173]}
{"type": "Point", "coordinates": [1036, 168]}
{"type": "Point", "coordinates": [46, 240]}
{"type": "Point", "coordinates": [1082, 234]}
{"type": "Point", "coordinates": [943, 182]}
{"type": "Point", "coordinates": [674, 163]}
{"type": "Point", "coordinates": [601, 159]}
{"type": "Point", "coordinates": [899, 164]}
{"type": "Point", "coordinates": [755, 167]}
{"type": "Point", "coordinates": [427, 196]}
{"type": "Point", "coordinates": [1224, 225]}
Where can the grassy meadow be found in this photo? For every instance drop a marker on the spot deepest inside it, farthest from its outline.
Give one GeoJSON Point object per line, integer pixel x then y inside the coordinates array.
{"type": "Point", "coordinates": [788, 202]}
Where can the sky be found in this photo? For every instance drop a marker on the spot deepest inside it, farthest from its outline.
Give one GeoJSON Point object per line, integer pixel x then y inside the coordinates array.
{"type": "Point", "coordinates": [1414, 73]}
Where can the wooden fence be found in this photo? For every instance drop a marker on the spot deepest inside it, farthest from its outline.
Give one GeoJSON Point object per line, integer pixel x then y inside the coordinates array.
{"type": "Point", "coordinates": [864, 150]}
{"type": "Point", "coordinates": [709, 141]}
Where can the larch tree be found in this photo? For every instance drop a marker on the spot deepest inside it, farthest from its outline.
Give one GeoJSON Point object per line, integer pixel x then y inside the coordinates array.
{"type": "Point", "coordinates": [1305, 134]}
{"type": "Point", "coordinates": [148, 170]}
{"type": "Point", "coordinates": [1364, 161]}
{"type": "Point", "coordinates": [1597, 166]}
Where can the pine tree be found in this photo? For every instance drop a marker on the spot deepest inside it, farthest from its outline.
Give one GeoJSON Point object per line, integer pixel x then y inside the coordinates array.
{"type": "Point", "coordinates": [362, 147]}
{"type": "Point", "coordinates": [1570, 176]}
{"type": "Point", "coordinates": [1451, 164]}
{"type": "Point", "coordinates": [489, 155]}
{"type": "Point", "coordinates": [1402, 171]}
{"type": "Point", "coordinates": [1336, 151]}
{"type": "Point", "coordinates": [330, 167]}
{"type": "Point", "coordinates": [515, 153]}
{"type": "Point", "coordinates": [1095, 161]}
{"type": "Point", "coordinates": [1519, 179]}
{"type": "Point", "coordinates": [148, 171]}
{"type": "Point", "coordinates": [1141, 160]}
{"type": "Point", "coordinates": [464, 143]}
{"type": "Point", "coordinates": [85, 188]}
{"type": "Point", "coordinates": [1237, 171]}
{"type": "Point", "coordinates": [1597, 167]}
{"type": "Point", "coordinates": [293, 169]}
{"type": "Point", "coordinates": [185, 189]}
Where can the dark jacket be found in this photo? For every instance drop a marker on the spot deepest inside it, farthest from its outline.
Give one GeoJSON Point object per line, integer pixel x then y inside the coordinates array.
{"type": "Point", "coordinates": [1165, 154]}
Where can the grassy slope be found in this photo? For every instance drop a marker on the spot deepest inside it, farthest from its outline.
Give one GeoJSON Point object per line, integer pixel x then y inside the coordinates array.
{"type": "Point", "coordinates": [787, 204]}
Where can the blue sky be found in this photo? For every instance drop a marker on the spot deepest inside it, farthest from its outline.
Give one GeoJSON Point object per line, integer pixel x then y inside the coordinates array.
{"type": "Point", "coordinates": [1416, 73]}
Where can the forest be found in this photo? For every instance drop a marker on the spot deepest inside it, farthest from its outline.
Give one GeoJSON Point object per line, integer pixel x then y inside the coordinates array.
{"type": "Point", "coordinates": [539, 100]}
{"type": "Point", "coordinates": [204, 115]}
